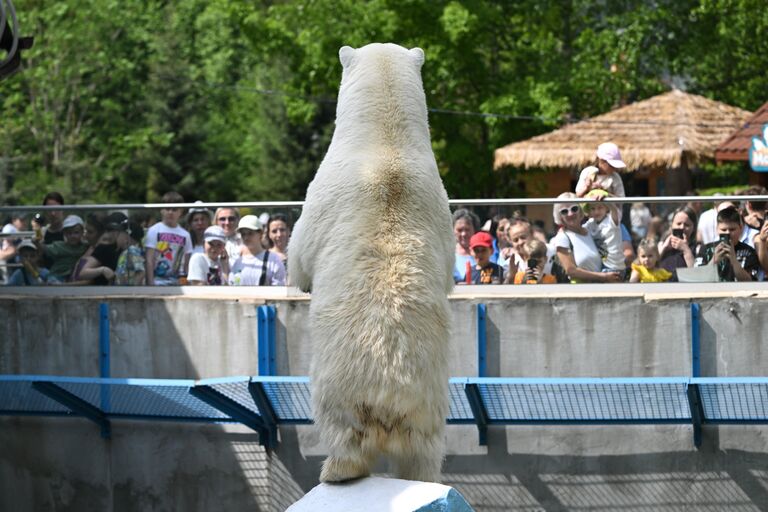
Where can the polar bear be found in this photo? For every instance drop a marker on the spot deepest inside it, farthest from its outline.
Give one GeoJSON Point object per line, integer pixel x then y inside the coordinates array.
{"type": "Point", "coordinates": [375, 246]}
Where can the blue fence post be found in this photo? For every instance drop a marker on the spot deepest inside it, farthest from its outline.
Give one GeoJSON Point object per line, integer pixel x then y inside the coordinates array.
{"type": "Point", "coordinates": [694, 394]}
{"type": "Point", "coordinates": [267, 360]}
{"type": "Point", "coordinates": [482, 341]}
{"type": "Point", "coordinates": [695, 340]}
{"type": "Point", "coordinates": [104, 363]}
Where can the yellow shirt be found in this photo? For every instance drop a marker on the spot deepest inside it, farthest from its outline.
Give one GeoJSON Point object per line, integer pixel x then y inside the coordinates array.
{"type": "Point", "coordinates": [653, 275]}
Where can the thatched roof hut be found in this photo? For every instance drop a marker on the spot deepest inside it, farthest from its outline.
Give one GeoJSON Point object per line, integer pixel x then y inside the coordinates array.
{"type": "Point", "coordinates": [671, 130]}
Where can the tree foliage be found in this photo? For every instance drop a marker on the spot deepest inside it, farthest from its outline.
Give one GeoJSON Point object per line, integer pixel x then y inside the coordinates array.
{"type": "Point", "coordinates": [228, 100]}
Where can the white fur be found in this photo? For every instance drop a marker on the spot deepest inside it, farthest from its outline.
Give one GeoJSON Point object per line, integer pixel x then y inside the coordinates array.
{"type": "Point", "coordinates": [375, 246]}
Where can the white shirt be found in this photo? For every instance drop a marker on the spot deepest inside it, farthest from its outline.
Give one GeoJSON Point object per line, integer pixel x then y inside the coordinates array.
{"type": "Point", "coordinates": [199, 265]}
{"type": "Point", "coordinates": [607, 237]}
{"type": "Point", "coordinates": [582, 247]}
{"type": "Point", "coordinates": [172, 244]}
{"type": "Point", "coordinates": [246, 270]}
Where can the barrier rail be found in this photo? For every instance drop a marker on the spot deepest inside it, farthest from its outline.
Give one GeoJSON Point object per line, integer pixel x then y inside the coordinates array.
{"type": "Point", "coordinates": [264, 403]}
{"type": "Point", "coordinates": [523, 201]}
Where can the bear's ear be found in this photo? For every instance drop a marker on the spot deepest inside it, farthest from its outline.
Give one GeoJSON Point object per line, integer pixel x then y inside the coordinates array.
{"type": "Point", "coordinates": [346, 53]}
{"type": "Point", "coordinates": [418, 55]}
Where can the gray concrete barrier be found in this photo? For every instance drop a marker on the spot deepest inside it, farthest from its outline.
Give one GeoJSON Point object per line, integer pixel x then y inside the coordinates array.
{"type": "Point", "coordinates": [533, 331]}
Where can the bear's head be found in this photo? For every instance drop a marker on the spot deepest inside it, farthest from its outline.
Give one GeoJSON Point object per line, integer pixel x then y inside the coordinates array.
{"type": "Point", "coordinates": [381, 78]}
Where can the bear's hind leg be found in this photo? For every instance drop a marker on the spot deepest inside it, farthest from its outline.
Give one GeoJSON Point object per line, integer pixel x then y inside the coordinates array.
{"type": "Point", "coordinates": [419, 458]}
{"type": "Point", "coordinates": [348, 459]}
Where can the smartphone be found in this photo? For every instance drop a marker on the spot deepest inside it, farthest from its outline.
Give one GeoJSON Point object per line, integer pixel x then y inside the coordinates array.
{"type": "Point", "coordinates": [678, 233]}
{"type": "Point", "coordinates": [533, 263]}
{"type": "Point", "coordinates": [725, 239]}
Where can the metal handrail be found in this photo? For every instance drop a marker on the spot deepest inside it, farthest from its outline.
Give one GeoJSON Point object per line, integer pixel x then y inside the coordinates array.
{"type": "Point", "coordinates": [453, 202]}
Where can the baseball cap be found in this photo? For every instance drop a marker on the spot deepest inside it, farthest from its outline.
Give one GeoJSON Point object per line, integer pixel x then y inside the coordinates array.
{"type": "Point", "coordinates": [116, 221]}
{"type": "Point", "coordinates": [72, 221]}
{"type": "Point", "coordinates": [251, 222]}
{"type": "Point", "coordinates": [609, 152]}
{"type": "Point", "coordinates": [26, 244]}
{"type": "Point", "coordinates": [214, 233]}
{"type": "Point", "coordinates": [481, 239]}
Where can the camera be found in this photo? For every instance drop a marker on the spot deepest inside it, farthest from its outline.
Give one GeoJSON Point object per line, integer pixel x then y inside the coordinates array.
{"type": "Point", "coordinates": [725, 239]}
{"type": "Point", "coordinates": [39, 219]}
{"type": "Point", "coordinates": [678, 233]}
{"type": "Point", "coordinates": [533, 263]}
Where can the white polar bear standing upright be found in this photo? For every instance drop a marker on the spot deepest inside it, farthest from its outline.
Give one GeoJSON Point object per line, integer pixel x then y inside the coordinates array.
{"type": "Point", "coordinates": [375, 246]}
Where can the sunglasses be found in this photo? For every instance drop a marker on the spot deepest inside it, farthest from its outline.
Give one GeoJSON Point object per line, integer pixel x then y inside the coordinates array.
{"type": "Point", "coordinates": [572, 210]}
{"type": "Point", "coordinates": [226, 219]}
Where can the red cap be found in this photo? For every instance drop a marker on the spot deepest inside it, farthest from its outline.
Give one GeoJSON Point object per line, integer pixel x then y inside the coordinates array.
{"type": "Point", "coordinates": [481, 238]}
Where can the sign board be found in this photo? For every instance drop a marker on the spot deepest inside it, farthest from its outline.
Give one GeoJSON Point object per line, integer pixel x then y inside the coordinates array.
{"type": "Point", "coordinates": [758, 152]}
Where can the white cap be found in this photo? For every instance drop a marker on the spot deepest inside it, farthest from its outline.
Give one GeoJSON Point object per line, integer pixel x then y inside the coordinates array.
{"type": "Point", "coordinates": [72, 221]}
{"type": "Point", "coordinates": [26, 244]}
{"type": "Point", "coordinates": [214, 233]}
{"type": "Point", "coordinates": [251, 222]}
{"type": "Point", "coordinates": [609, 152]}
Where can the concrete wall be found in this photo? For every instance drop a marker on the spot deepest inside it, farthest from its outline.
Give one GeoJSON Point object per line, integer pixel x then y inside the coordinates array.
{"type": "Point", "coordinates": [55, 464]}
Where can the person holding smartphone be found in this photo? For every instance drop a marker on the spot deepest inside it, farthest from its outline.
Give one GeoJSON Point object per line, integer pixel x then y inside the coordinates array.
{"type": "Point", "coordinates": [678, 248]}
{"type": "Point", "coordinates": [735, 260]}
{"type": "Point", "coordinates": [534, 271]}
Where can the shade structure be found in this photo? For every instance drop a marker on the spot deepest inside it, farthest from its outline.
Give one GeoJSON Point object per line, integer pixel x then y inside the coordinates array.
{"type": "Point", "coordinates": [661, 132]}
{"type": "Point", "coordinates": [736, 147]}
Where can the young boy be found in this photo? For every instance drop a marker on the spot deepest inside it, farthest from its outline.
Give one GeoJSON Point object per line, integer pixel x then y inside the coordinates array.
{"type": "Point", "coordinates": [603, 226]}
{"type": "Point", "coordinates": [63, 256]}
{"type": "Point", "coordinates": [484, 271]}
{"type": "Point", "coordinates": [534, 266]}
{"type": "Point", "coordinates": [735, 260]}
{"type": "Point", "coordinates": [169, 246]}
{"type": "Point", "coordinates": [30, 274]}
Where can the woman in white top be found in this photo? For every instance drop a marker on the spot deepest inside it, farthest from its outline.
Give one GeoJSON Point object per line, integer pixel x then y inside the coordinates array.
{"type": "Point", "coordinates": [576, 250]}
{"type": "Point", "coordinates": [255, 266]}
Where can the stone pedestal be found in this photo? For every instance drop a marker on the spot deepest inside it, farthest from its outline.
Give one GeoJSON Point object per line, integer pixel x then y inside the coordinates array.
{"type": "Point", "coordinates": [376, 494]}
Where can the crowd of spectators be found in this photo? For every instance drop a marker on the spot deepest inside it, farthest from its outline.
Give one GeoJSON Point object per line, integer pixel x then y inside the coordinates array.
{"type": "Point", "coordinates": [200, 248]}
{"type": "Point", "coordinates": [591, 242]}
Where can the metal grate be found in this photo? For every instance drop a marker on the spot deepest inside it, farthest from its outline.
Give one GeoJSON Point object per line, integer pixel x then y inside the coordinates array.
{"type": "Point", "coordinates": [459, 410]}
{"type": "Point", "coordinates": [238, 392]}
{"type": "Point", "coordinates": [17, 396]}
{"type": "Point", "coordinates": [735, 401]}
{"type": "Point", "coordinates": [594, 401]}
{"type": "Point", "coordinates": [147, 400]}
{"type": "Point", "coordinates": [290, 400]}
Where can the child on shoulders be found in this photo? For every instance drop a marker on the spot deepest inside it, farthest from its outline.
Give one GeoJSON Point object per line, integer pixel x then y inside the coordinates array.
{"type": "Point", "coordinates": [603, 226]}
